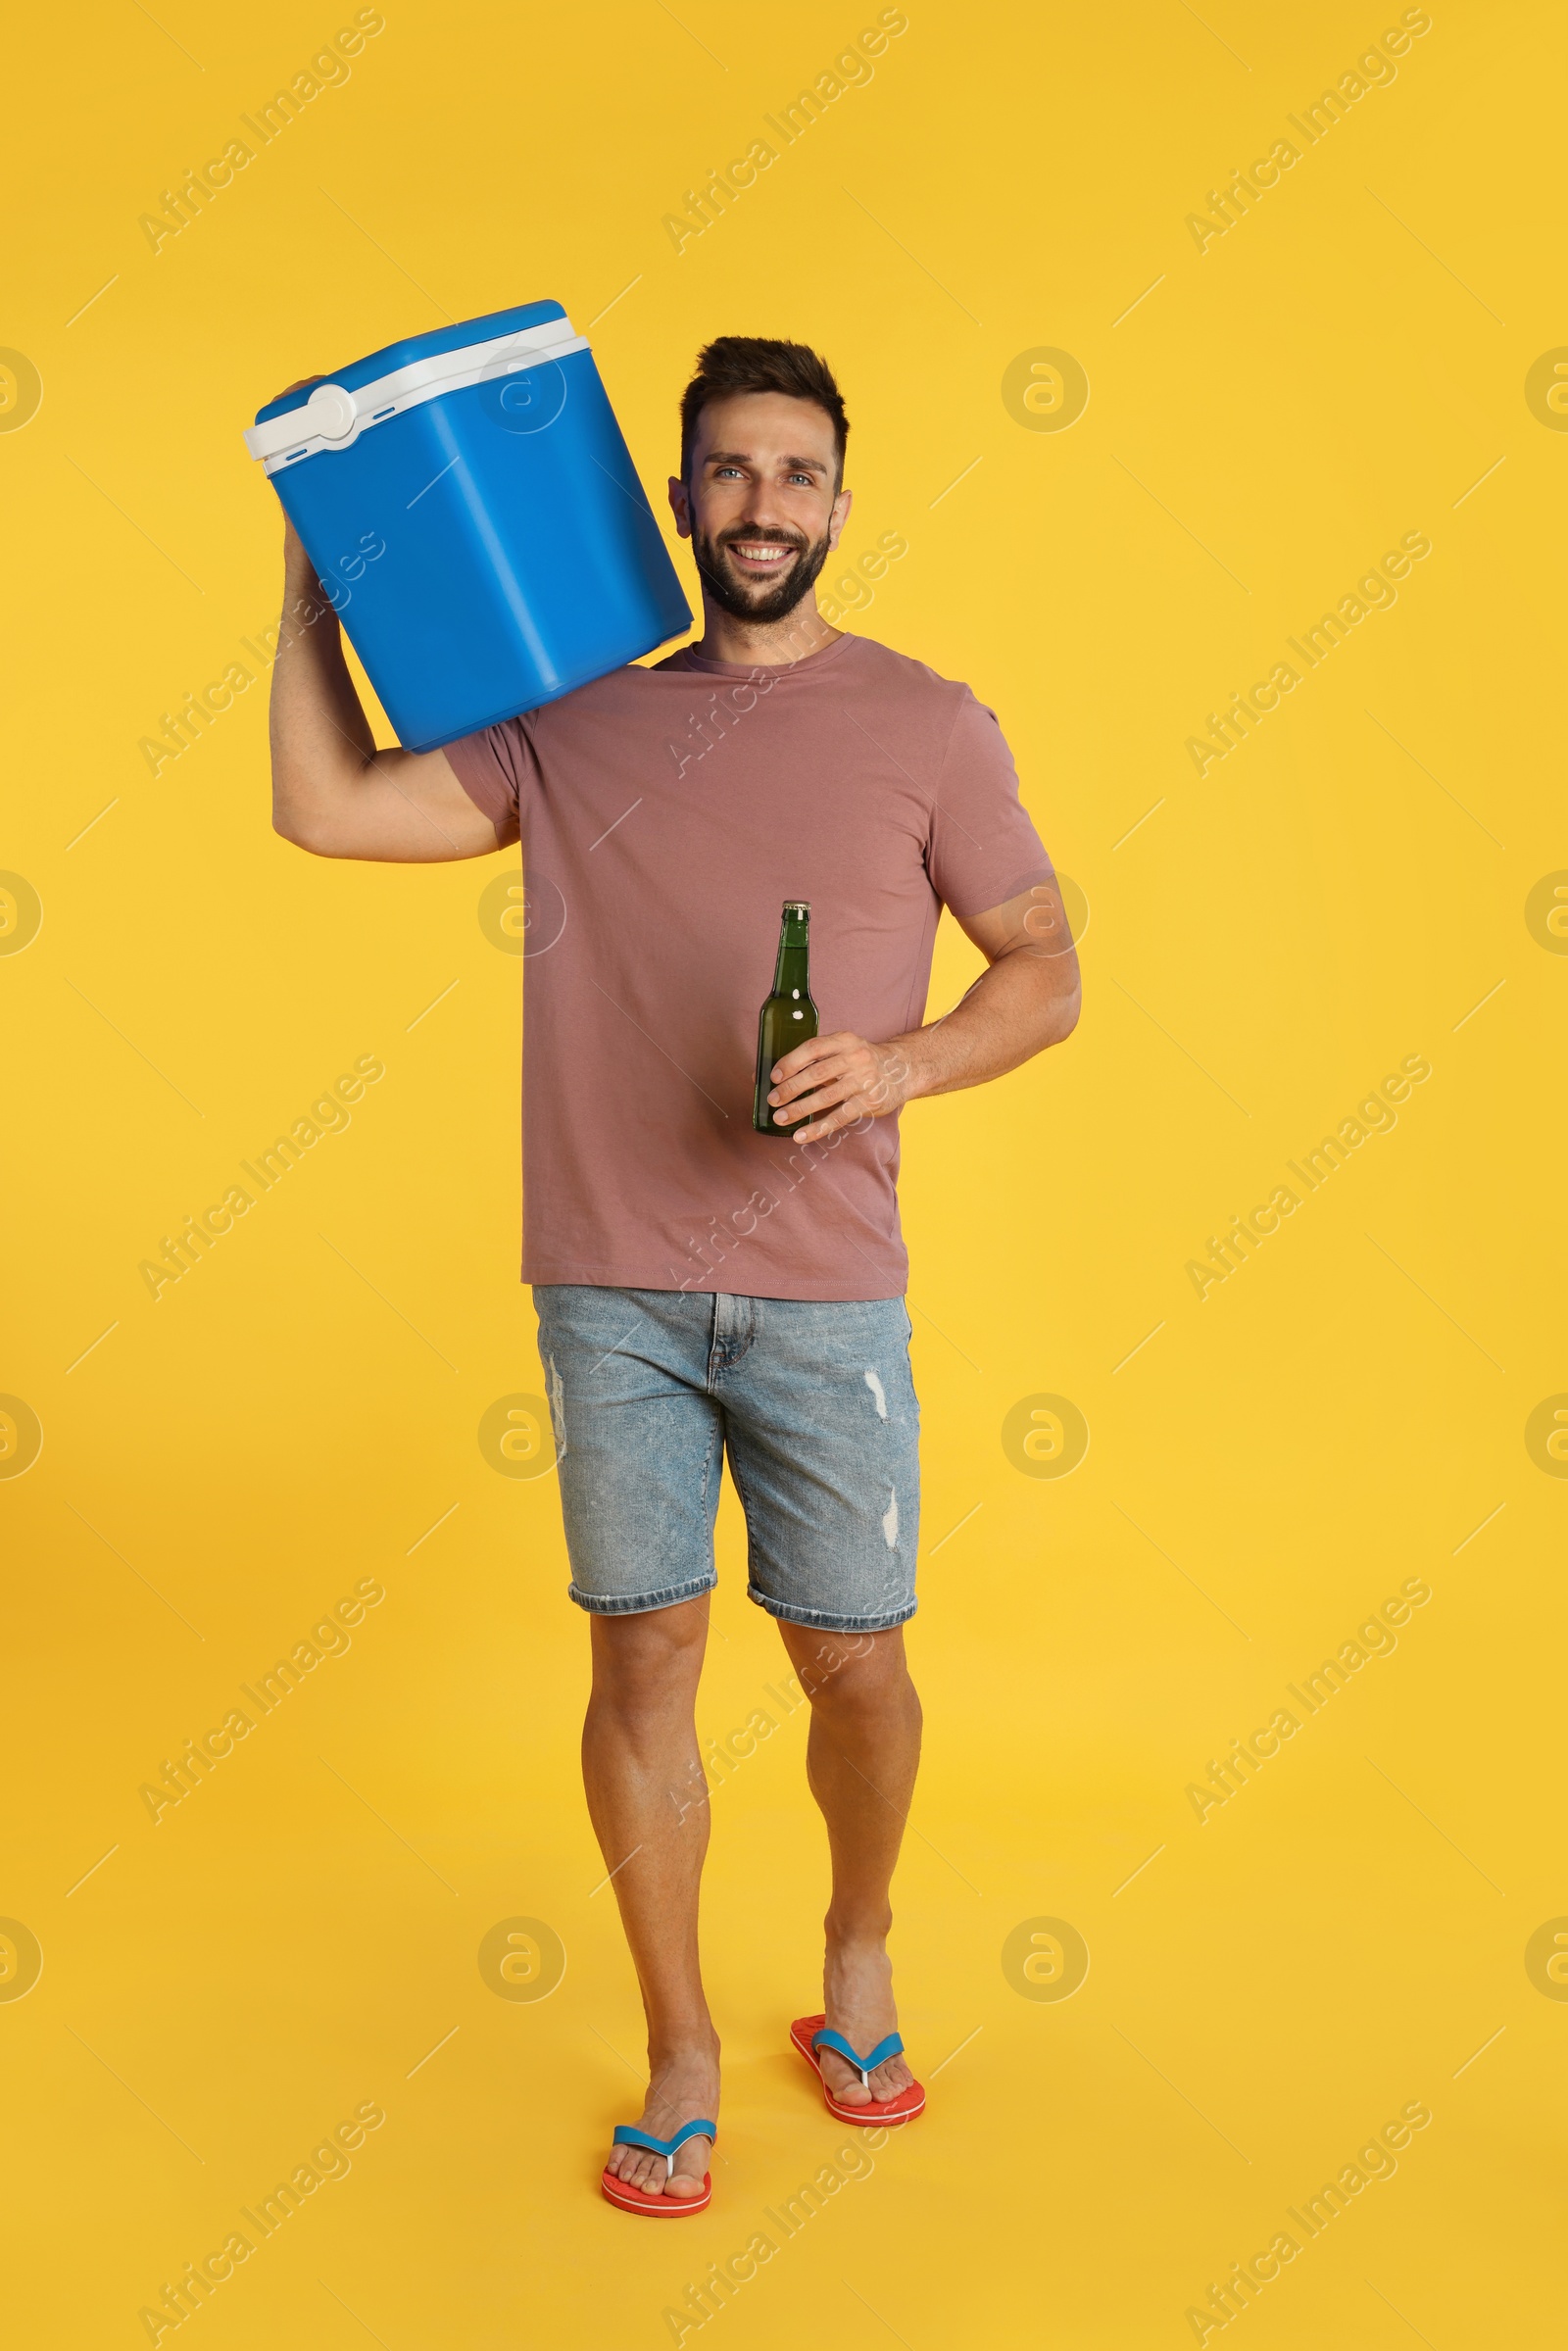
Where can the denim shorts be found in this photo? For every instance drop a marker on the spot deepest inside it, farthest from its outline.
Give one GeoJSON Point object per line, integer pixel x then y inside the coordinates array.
{"type": "Point", "coordinates": [813, 1404]}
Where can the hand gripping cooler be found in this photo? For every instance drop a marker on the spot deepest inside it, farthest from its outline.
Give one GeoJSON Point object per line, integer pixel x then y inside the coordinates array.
{"type": "Point", "coordinates": [472, 512]}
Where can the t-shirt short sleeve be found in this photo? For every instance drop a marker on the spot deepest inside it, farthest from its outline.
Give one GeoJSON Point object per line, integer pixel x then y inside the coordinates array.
{"type": "Point", "coordinates": [982, 848]}
{"type": "Point", "coordinates": [492, 768]}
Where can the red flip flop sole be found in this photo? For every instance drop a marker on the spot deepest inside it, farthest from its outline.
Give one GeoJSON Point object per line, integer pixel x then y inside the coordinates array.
{"type": "Point", "coordinates": [657, 2207]}
{"type": "Point", "coordinates": [881, 2112]}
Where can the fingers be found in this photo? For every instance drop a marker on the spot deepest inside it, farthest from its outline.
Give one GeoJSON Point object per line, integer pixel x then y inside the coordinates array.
{"type": "Point", "coordinates": [851, 1113]}
{"type": "Point", "coordinates": [801, 1056]}
{"type": "Point", "coordinates": [846, 1110]}
{"type": "Point", "coordinates": [822, 1058]}
{"type": "Point", "coordinates": [826, 1096]}
{"type": "Point", "coordinates": [816, 1104]}
{"type": "Point", "coordinates": [834, 1082]}
{"type": "Point", "coordinates": [844, 1065]}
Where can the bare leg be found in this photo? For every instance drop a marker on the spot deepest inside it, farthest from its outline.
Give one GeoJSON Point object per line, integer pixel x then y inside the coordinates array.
{"type": "Point", "coordinates": [860, 1760]}
{"type": "Point", "coordinates": [648, 1801]}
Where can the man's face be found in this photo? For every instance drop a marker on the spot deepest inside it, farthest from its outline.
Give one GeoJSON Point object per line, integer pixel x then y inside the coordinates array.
{"type": "Point", "coordinates": [761, 508]}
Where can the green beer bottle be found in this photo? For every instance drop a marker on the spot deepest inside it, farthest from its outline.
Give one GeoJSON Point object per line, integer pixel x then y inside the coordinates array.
{"type": "Point", "coordinates": [789, 1016]}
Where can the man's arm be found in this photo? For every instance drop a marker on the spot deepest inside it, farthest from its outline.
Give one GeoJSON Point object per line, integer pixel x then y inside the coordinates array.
{"type": "Point", "coordinates": [333, 792]}
{"type": "Point", "coordinates": [1027, 999]}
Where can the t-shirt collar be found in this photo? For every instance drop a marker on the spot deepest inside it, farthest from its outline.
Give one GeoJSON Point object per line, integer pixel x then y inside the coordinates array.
{"type": "Point", "coordinates": [807, 666]}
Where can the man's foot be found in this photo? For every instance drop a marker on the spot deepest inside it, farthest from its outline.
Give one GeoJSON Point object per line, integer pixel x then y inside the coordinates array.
{"type": "Point", "coordinates": [683, 2089]}
{"type": "Point", "coordinates": [857, 1998]}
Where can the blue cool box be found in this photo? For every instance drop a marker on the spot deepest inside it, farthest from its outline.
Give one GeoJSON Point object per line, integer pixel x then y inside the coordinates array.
{"type": "Point", "coordinates": [472, 512]}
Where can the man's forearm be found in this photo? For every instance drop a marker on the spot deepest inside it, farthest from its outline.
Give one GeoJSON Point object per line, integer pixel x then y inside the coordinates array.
{"type": "Point", "coordinates": [1025, 1001]}
{"type": "Point", "coordinates": [1028, 999]}
{"type": "Point", "coordinates": [333, 792]}
{"type": "Point", "coordinates": [319, 733]}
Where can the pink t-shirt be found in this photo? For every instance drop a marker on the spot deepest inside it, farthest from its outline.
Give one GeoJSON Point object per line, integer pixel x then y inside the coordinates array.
{"type": "Point", "coordinates": [664, 816]}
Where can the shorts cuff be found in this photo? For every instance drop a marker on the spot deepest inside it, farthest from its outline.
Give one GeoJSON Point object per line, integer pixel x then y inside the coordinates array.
{"type": "Point", "coordinates": [822, 1619]}
{"type": "Point", "coordinates": [639, 1604]}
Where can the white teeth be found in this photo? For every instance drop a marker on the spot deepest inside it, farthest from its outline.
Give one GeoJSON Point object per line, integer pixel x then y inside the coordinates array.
{"type": "Point", "coordinates": [765, 554]}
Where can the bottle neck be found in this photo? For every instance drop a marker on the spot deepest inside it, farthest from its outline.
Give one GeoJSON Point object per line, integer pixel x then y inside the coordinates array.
{"type": "Point", "coordinates": [793, 970]}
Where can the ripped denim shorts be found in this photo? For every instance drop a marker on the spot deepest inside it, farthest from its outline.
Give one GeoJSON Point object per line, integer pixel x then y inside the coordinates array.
{"type": "Point", "coordinates": [815, 1405]}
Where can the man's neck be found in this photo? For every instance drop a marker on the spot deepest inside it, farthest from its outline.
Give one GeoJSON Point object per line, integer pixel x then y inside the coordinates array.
{"type": "Point", "coordinates": [763, 644]}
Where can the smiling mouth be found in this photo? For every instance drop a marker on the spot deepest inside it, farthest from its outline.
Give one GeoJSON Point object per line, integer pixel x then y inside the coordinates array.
{"type": "Point", "coordinates": [765, 555]}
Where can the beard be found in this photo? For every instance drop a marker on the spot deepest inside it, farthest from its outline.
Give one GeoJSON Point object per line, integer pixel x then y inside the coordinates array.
{"type": "Point", "coordinates": [761, 600]}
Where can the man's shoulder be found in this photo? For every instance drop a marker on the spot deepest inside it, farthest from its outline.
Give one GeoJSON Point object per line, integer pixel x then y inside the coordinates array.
{"type": "Point", "coordinates": [612, 695]}
{"type": "Point", "coordinates": [885, 668]}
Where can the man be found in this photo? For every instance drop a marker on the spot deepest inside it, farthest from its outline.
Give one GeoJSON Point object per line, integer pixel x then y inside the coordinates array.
{"type": "Point", "coordinates": [701, 1288]}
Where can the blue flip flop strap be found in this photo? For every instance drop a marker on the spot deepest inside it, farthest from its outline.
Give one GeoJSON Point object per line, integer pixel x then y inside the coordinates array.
{"type": "Point", "coordinates": [892, 2047]}
{"type": "Point", "coordinates": [629, 2136]}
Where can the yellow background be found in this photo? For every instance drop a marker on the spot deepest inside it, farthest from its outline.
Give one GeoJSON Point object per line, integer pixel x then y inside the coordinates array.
{"type": "Point", "coordinates": [1339, 1939]}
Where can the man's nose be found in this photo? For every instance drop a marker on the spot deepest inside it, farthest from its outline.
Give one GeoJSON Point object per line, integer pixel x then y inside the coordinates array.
{"type": "Point", "coordinates": [764, 511]}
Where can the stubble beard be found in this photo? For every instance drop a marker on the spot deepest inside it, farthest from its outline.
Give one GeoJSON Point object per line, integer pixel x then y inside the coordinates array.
{"type": "Point", "coordinates": [762, 603]}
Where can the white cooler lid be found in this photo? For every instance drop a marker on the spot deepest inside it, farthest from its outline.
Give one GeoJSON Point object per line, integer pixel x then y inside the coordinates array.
{"type": "Point", "coordinates": [333, 417]}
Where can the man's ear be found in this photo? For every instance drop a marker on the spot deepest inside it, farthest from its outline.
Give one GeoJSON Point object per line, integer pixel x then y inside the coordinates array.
{"type": "Point", "coordinates": [680, 506]}
{"type": "Point", "coordinates": [841, 514]}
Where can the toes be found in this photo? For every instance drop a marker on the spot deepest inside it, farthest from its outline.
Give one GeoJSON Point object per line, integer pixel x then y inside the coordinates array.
{"type": "Point", "coordinates": [634, 2168]}
{"type": "Point", "coordinates": [639, 2169]}
{"type": "Point", "coordinates": [850, 2090]}
{"type": "Point", "coordinates": [685, 2184]}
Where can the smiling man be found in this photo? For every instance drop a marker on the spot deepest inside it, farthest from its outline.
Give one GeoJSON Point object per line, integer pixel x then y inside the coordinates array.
{"type": "Point", "coordinates": [704, 1292]}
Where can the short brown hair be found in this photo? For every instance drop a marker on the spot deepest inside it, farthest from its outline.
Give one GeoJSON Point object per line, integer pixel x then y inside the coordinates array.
{"type": "Point", "coordinates": [733, 363]}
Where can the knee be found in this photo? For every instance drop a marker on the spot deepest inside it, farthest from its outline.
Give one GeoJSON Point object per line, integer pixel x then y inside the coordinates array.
{"type": "Point", "coordinates": [850, 1672]}
{"type": "Point", "coordinates": [642, 1662]}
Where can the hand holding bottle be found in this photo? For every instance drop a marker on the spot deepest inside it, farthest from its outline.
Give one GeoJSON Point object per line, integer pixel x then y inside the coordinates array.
{"type": "Point", "coordinates": [810, 1086]}
{"type": "Point", "coordinates": [836, 1081]}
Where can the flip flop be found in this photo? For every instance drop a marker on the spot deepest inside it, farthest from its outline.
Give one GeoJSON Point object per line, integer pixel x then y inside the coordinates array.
{"type": "Point", "coordinates": [663, 2208]}
{"type": "Point", "coordinates": [808, 2034]}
